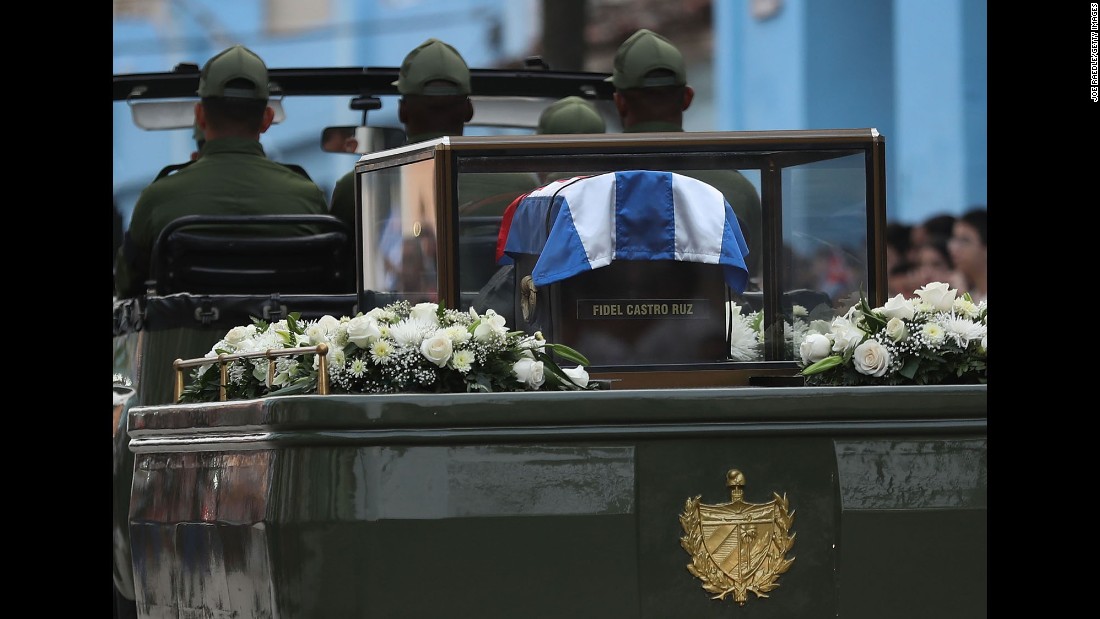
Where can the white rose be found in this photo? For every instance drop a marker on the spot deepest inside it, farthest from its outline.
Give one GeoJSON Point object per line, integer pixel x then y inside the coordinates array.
{"type": "Point", "coordinates": [896, 329]}
{"type": "Point", "coordinates": [898, 307]}
{"type": "Point", "coordinates": [491, 324]}
{"type": "Point", "coordinates": [845, 334]}
{"type": "Point", "coordinates": [317, 334]}
{"type": "Point", "coordinates": [362, 330]}
{"type": "Point", "coordinates": [437, 348]}
{"type": "Point", "coordinates": [529, 372]}
{"type": "Point", "coordinates": [328, 323]}
{"type": "Point", "coordinates": [238, 334]}
{"type": "Point", "coordinates": [577, 375]}
{"type": "Point", "coordinates": [814, 348]}
{"type": "Point", "coordinates": [871, 358]}
{"type": "Point", "coordinates": [938, 295]}
{"type": "Point", "coordinates": [425, 312]}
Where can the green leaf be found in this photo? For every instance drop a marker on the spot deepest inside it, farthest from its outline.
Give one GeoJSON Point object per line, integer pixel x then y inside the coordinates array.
{"type": "Point", "coordinates": [909, 369]}
{"type": "Point", "coordinates": [825, 364]}
{"type": "Point", "coordinates": [568, 353]}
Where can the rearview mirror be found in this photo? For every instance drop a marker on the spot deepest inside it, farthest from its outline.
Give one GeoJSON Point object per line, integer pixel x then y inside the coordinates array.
{"type": "Point", "coordinates": [180, 113]}
{"type": "Point", "coordinates": [360, 140]}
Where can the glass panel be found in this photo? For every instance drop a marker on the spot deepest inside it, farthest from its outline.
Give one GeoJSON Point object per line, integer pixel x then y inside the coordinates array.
{"type": "Point", "coordinates": [399, 231]}
{"type": "Point", "coordinates": [482, 199]}
{"type": "Point", "coordinates": [824, 264]}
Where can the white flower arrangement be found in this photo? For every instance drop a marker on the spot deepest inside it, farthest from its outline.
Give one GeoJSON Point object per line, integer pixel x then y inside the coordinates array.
{"type": "Point", "coordinates": [937, 337]}
{"type": "Point", "coordinates": [397, 348]}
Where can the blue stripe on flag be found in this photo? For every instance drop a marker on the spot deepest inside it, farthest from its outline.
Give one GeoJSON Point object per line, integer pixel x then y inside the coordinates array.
{"type": "Point", "coordinates": [645, 219]}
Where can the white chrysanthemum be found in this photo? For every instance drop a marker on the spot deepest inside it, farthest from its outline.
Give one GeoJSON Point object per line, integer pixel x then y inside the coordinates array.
{"type": "Point", "coordinates": [963, 330]}
{"type": "Point", "coordinates": [458, 334]}
{"type": "Point", "coordinates": [381, 351]}
{"type": "Point", "coordinates": [797, 332]}
{"type": "Point", "coordinates": [335, 359]}
{"type": "Point", "coordinates": [462, 360]}
{"type": "Point", "coordinates": [933, 333]}
{"type": "Point", "coordinates": [357, 367]}
{"type": "Point", "coordinates": [732, 309]}
{"type": "Point", "coordinates": [285, 369]}
{"type": "Point", "coordinates": [965, 308]}
{"type": "Point", "coordinates": [799, 311]}
{"type": "Point", "coordinates": [237, 372]}
{"type": "Point", "coordinates": [410, 332]}
{"type": "Point", "coordinates": [744, 343]}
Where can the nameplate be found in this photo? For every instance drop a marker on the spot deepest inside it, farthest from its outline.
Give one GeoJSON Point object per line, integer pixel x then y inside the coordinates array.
{"type": "Point", "coordinates": [625, 309]}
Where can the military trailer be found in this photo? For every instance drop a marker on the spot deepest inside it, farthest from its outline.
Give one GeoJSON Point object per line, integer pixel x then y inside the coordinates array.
{"type": "Point", "coordinates": [701, 479]}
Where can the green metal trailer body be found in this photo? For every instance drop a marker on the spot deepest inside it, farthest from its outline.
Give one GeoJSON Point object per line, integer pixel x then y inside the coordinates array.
{"type": "Point", "coordinates": [563, 504]}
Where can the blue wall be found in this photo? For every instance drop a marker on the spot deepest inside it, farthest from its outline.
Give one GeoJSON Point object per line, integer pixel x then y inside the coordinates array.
{"type": "Point", "coordinates": [916, 71]}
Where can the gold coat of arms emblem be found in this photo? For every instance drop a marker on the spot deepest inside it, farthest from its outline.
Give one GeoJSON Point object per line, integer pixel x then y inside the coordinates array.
{"type": "Point", "coordinates": [738, 547]}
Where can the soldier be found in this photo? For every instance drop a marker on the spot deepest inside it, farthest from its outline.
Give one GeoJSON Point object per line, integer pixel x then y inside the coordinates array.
{"type": "Point", "coordinates": [233, 176]}
{"type": "Point", "coordinates": [652, 94]}
{"type": "Point", "coordinates": [571, 115]}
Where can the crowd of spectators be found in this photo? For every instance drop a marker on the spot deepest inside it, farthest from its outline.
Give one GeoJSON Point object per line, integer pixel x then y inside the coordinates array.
{"type": "Point", "coordinates": [943, 248]}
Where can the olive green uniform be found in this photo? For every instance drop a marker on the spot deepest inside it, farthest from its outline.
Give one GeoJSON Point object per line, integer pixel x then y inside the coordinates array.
{"type": "Point", "coordinates": [480, 194]}
{"type": "Point", "coordinates": [233, 177]}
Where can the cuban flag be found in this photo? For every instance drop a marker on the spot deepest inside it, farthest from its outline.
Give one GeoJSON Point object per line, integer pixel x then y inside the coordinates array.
{"type": "Point", "coordinates": [583, 223]}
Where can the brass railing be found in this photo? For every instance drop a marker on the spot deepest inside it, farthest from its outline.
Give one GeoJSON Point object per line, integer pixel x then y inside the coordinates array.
{"type": "Point", "coordinates": [224, 359]}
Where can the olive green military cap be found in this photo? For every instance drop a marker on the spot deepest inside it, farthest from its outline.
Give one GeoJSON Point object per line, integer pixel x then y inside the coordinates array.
{"type": "Point", "coordinates": [237, 62]}
{"type": "Point", "coordinates": [571, 115]}
{"type": "Point", "coordinates": [430, 63]}
{"type": "Point", "coordinates": [644, 52]}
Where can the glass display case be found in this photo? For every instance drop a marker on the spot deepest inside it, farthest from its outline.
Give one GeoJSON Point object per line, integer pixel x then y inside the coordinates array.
{"type": "Point", "coordinates": [439, 221]}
